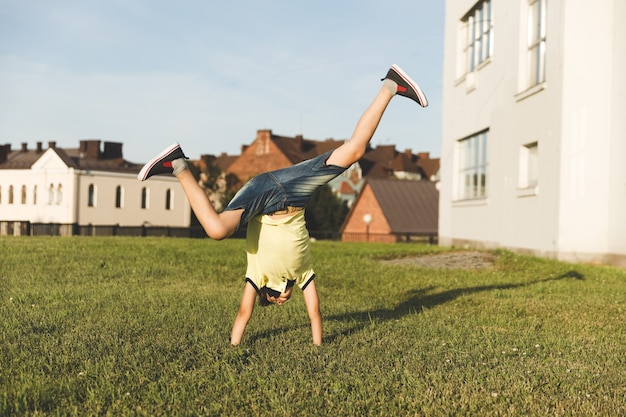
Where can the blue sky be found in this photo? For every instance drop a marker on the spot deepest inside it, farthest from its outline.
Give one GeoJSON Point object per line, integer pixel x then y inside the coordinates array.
{"type": "Point", "coordinates": [209, 74]}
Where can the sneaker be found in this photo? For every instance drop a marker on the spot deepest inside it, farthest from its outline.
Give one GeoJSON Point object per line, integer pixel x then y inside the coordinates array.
{"type": "Point", "coordinates": [162, 163]}
{"type": "Point", "coordinates": [406, 86]}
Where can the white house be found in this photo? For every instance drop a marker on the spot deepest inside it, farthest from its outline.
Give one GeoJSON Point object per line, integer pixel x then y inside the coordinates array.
{"type": "Point", "coordinates": [84, 186]}
{"type": "Point", "coordinates": [534, 128]}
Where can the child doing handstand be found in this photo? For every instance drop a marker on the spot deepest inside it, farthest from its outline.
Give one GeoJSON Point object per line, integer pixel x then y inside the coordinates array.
{"type": "Point", "coordinates": [272, 203]}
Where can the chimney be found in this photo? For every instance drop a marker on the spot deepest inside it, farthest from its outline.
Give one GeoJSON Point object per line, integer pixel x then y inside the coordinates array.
{"type": "Point", "coordinates": [24, 147]}
{"type": "Point", "coordinates": [263, 134]}
{"type": "Point", "coordinates": [52, 144]}
{"type": "Point", "coordinates": [39, 147]}
{"type": "Point", "coordinates": [263, 139]}
{"type": "Point", "coordinates": [89, 149]}
{"type": "Point", "coordinates": [423, 155]}
{"type": "Point", "coordinates": [112, 150]}
{"type": "Point", "coordinates": [299, 140]}
{"type": "Point", "coordinates": [408, 152]}
{"type": "Point", "coordinates": [4, 152]}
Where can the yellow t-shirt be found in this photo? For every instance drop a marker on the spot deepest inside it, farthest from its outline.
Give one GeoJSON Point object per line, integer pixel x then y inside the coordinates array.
{"type": "Point", "coordinates": [278, 251]}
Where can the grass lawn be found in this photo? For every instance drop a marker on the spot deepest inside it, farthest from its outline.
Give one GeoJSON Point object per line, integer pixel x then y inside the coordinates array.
{"type": "Point", "coordinates": [141, 326]}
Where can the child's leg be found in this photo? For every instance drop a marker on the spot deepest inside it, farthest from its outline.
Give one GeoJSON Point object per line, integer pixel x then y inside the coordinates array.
{"type": "Point", "coordinates": [396, 82]}
{"type": "Point", "coordinates": [172, 160]}
{"type": "Point", "coordinates": [351, 151]}
{"type": "Point", "coordinates": [217, 225]}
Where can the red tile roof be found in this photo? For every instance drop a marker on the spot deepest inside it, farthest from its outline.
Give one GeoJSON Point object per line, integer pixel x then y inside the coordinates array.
{"type": "Point", "coordinates": [410, 207]}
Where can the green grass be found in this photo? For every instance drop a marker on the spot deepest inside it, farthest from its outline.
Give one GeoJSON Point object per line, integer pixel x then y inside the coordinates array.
{"type": "Point", "coordinates": [140, 326]}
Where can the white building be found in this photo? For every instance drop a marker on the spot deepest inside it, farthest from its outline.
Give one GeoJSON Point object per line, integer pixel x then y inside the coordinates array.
{"type": "Point", "coordinates": [84, 186]}
{"type": "Point", "coordinates": [534, 128]}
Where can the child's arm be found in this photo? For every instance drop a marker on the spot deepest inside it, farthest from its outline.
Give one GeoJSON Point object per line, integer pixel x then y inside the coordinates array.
{"type": "Point", "coordinates": [244, 314]}
{"type": "Point", "coordinates": [312, 302]}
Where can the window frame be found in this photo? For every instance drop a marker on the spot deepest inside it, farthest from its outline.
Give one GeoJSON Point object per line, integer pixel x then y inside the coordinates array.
{"type": "Point", "coordinates": [168, 199]}
{"type": "Point", "coordinates": [472, 167]}
{"type": "Point", "coordinates": [528, 180]}
{"type": "Point", "coordinates": [119, 197]}
{"type": "Point", "coordinates": [479, 35]}
{"type": "Point", "coordinates": [536, 44]}
{"type": "Point", "coordinates": [145, 198]}
{"type": "Point", "coordinates": [91, 195]}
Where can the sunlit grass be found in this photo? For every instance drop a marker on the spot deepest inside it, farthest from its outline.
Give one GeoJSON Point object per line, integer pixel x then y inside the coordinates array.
{"type": "Point", "coordinates": [140, 326]}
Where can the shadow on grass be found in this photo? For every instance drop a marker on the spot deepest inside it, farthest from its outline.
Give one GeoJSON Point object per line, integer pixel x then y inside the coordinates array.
{"type": "Point", "coordinates": [415, 303]}
{"type": "Point", "coordinates": [420, 299]}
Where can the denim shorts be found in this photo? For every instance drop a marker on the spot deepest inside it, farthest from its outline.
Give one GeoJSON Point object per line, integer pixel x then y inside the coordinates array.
{"type": "Point", "coordinates": [276, 190]}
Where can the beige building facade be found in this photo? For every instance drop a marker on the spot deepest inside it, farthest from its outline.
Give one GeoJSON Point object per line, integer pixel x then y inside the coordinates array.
{"type": "Point", "coordinates": [52, 186]}
{"type": "Point", "coordinates": [533, 129]}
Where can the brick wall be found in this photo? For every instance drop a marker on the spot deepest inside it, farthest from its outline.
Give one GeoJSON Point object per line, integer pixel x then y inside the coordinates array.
{"type": "Point", "coordinates": [261, 156]}
{"type": "Point", "coordinates": [356, 230]}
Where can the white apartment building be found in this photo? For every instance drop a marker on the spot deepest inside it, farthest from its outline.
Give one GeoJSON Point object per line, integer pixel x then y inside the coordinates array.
{"type": "Point", "coordinates": [83, 186]}
{"type": "Point", "coordinates": [534, 128]}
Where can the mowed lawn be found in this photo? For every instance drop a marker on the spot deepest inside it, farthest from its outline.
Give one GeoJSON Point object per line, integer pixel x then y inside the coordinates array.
{"type": "Point", "coordinates": [140, 326]}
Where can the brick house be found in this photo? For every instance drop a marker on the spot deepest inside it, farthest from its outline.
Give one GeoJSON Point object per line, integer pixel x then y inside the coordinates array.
{"type": "Point", "coordinates": [269, 152]}
{"type": "Point", "coordinates": [390, 210]}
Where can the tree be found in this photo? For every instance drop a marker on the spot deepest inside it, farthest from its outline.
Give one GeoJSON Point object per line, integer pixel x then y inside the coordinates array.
{"type": "Point", "coordinates": [325, 213]}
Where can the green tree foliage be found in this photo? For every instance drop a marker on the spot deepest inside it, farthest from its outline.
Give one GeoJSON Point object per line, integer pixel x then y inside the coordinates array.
{"type": "Point", "coordinates": [325, 213]}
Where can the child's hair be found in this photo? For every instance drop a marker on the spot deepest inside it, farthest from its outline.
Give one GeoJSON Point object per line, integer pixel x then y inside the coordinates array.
{"type": "Point", "coordinates": [263, 301]}
{"type": "Point", "coordinates": [264, 291]}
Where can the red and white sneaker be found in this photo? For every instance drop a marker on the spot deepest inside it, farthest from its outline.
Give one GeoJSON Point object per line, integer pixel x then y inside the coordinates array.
{"type": "Point", "coordinates": [406, 86]}
{"type": "Point", "coordinates": [162, 163]}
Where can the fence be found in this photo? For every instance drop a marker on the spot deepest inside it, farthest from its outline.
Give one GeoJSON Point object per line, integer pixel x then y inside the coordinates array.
{"type": "Point", "coordinates": [389, 237]}
{"type": "Point", "coordinates": [25, 228]}
{"type": "Point", "coordinates": [22, 228]}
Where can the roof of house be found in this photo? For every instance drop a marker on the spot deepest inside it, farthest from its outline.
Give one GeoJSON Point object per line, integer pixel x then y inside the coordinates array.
{"type": "Point", "coordinates": [298, 149]}
{"type": "Point", "coordinates": [87, 156]}
{"type": "Point", "coordinates": [430, 166]}
{"type": "Point", "coordinates": [383, 160]}
{"type": "Point", "coordinates": [409, 206]}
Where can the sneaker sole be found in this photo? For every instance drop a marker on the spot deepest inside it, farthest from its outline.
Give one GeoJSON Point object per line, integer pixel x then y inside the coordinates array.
{"type": "Point", "coordinates": [151, 163]}
{"type": "Point", "coordinates": [418, 90]}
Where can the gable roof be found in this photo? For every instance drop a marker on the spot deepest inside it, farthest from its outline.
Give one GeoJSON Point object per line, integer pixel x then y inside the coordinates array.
{"type": "Point", "coordinates": [298, 149]}
{"type": "Point", "coordinates": [19, 159]}
{"type": "Point", "coordinates": [87, 156]}
{"type": "Point", "coordinates": [384, 160]}
{"type": "Point", "coordinates": [430, 166]}
{"type": "Point", "coordinates": [409, 206]}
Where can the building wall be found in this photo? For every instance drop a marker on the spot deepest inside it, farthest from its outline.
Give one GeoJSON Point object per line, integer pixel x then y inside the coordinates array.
{"type": "Point", "coordinates": [356, 230]}
{"type": "Point", "coordinates": [573, 211]}
{"type": "Point", "coordinates": [56, 193]}
{"type": "Point", "coordinates": [104, 210]}
{"type": "Point", "coordinates": [617, 174]}
{"type": "Point", "coordinates": [46, 202]}
{"type": "Point", "coordinates": [261, 156]}
{"type": "Point", "coordinates": [590, 176]}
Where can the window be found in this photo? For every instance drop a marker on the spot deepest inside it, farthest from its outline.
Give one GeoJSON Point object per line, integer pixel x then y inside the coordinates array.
{"type": "Point", "coordinates": [472, 174]}
{"type": "Point", "coordinates": [144, 198]}
{"type": "Point", "coordinates": [35, 195]}
{"type": "Point", "coordinates": [119, 197]}
{"type": "Point", "coordinates": [23, 199]}
{"type": "Point", "coordinates": [529, 166]}
{"type": "Point", "coordinates": [168, 199]}
{"type": "Point", "coordinates": [0, 194]}
{"type": "Point", "coordinates": [91, 195]}
{"type": "Point", "coordinates": [478, 25]}
{"type": "Point", "coordinates": [10, 194]}
{"type": "Point", "coordinates": [536, 42]}
{"type": "Point", "coordinates": [51, 194]}
{"type": "Point", "coordinates": [59, 194]}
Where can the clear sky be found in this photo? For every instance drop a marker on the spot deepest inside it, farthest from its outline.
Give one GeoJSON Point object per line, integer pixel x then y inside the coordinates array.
{"type": "Point", "coordinates": [209, 74]}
